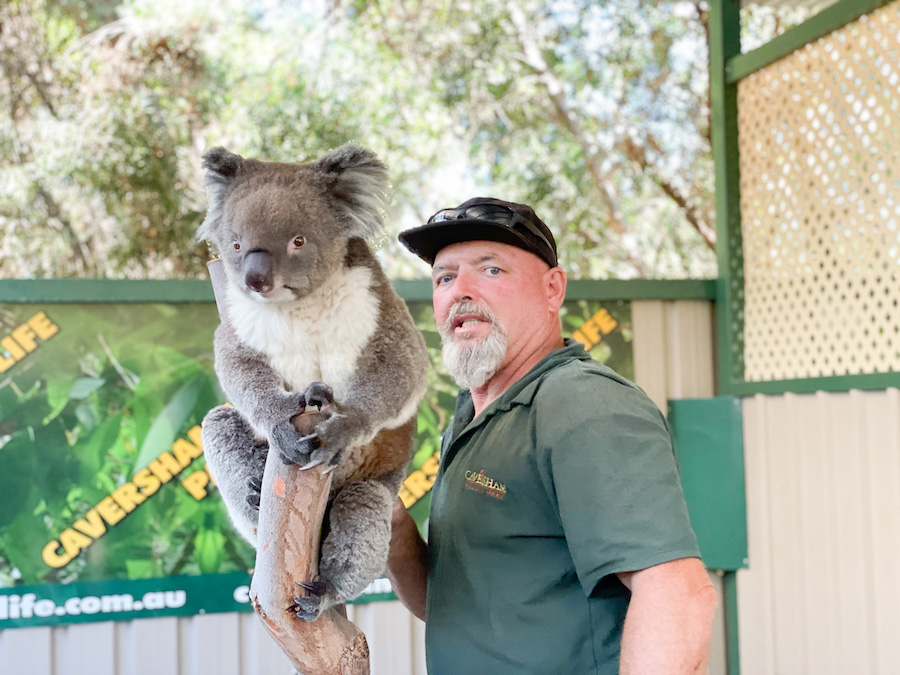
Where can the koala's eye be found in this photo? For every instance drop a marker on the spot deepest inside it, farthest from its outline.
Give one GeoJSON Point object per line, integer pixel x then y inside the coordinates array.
{"type": "Point", "coordinates": [236, 245]}
{"type": "Point", "coordinates": [299, 240]}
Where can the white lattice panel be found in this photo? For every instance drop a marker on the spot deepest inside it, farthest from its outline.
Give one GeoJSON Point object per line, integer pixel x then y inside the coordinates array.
{"type": "Point", "coordinates": [820, 206]}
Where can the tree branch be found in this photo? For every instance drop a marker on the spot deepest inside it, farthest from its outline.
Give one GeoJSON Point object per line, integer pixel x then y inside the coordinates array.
{"type": "Point", "coordinates": [82, 254]}
{"type": "Point", "coordinates": [607, 191]}
{"type": "Point", "coordinates": [291, 511]}
{"type": "Point", "coordinates": [638, 155]}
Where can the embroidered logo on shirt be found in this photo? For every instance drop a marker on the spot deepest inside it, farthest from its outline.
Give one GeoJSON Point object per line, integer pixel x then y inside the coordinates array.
{"type": "Point", "coordinates": [481, 482]}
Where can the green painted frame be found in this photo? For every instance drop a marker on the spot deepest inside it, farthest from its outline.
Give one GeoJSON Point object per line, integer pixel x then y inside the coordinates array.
{"type": "Point", "coordinates": [727, 67]}
{"type": "Point", "coordinates": [108, 290]}
{"type": "Point", "coordinates": [823, 23]}
{"type": "Point", "coordinates": [725, 44]}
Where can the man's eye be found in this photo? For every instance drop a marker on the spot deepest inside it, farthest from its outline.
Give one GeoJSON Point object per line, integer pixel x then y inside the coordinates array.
{"type": "Point", "coordinates": [443, 279]}
{"type": "Point", "coordinates": [493, 271]}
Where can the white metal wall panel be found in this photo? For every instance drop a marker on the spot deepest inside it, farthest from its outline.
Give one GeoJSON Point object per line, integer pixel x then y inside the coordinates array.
{"type": "Point", "coordinates": [822, 595]}
{"type": "Point", "coordinates": [674, 354]}
{"type": "Point", "coordinates": [27, 651]}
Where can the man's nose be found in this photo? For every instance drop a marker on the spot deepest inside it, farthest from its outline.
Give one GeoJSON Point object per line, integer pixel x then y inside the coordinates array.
{"type": "Point", "coordinates": [464, 286]}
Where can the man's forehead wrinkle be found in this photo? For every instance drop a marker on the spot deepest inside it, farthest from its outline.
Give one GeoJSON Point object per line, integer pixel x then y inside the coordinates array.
{"type": "Point", "coordinates": [486, 257]}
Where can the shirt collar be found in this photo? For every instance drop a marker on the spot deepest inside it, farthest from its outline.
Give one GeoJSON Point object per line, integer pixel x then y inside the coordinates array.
{"type": "Point", "coordinates": [522, 391]}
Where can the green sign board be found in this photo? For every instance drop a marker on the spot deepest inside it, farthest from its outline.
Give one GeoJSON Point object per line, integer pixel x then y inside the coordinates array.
{"type": "Point", "coordinates": [108, 511]}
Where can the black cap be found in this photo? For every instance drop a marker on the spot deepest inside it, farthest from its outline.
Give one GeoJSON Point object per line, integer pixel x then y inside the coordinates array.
{"type": "Point", "coordinates": [534, 236]}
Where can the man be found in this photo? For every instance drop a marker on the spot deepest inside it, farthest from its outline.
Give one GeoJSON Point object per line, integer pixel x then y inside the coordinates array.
{"type": "Point", "coordinates": [558, 539]}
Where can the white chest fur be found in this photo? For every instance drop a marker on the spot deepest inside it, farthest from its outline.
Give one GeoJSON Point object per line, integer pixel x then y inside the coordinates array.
{"type": "Point", "coordinates": [317, 338]}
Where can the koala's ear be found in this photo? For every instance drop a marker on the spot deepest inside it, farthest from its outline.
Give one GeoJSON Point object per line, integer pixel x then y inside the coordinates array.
{"type": "Point", "coordinates": [221, 164]}
{"type": "Point", "coordinates": [222, 168]}
{"type": "Point", "coordinates": [358, 183]}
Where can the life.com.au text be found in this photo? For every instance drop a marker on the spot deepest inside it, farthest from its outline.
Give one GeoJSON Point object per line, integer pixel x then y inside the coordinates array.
{"type": "Point", "coordinates": [27, 605]}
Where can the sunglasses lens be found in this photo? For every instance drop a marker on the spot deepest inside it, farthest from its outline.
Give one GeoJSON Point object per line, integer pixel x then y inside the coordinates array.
{"type": "Point", "coordinates": [494, 213]}
{"type": "Point", "coordinates": [444, 216]}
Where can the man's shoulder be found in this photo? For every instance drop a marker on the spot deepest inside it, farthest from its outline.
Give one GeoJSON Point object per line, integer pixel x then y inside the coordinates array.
{"type": "Point", "coordinates": [578, 376]}
{"type": "Point", "coordinates": [585, 391]}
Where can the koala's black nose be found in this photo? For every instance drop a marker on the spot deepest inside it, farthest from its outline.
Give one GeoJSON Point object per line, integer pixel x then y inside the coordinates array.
{"type": "Point", "coordinates": [258, 271]}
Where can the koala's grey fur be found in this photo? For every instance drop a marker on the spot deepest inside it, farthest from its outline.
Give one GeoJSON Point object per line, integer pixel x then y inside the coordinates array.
{"type": "Point", "coordinates": [306, 302]}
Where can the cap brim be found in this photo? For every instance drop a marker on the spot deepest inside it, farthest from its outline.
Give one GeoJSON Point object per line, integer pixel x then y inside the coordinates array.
{"type": "Point", "coordinates": [427, 240]}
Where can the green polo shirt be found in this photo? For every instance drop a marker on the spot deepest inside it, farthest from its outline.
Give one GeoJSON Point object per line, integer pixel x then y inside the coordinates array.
{"type": "Point", "coordinates": [566, 479]}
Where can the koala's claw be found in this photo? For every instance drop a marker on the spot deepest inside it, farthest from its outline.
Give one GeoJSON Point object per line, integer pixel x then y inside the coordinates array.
{"type": "Point", "coordinates": [255, 485]}
{"type": "Point", "coordinates": [307, 609]}
{"type": "Point", "coordinates": [319, 394]}
{"type": "Point", "coordinates": [300, 451]}
{"type": "Point", "coordinates": [309, 465]}
{"type": "Point", "coordinates": [310, 607]}
{"type": "Point", "coordinates": [324, 456]}
{"type": "Point", "coordinates": [314, 587]}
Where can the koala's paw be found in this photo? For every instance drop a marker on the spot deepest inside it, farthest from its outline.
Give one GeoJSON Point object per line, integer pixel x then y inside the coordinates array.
{"type": "Point", "coordinates": [330, 436]}
{"type": "Point", "coordinates": [292, 446]}
{"type": "Point", "coordinates": [312, 604]}
{"type": "Point", "coordinates": [283, 435]}
{"type": "Point", "coordinates": [320, 395]}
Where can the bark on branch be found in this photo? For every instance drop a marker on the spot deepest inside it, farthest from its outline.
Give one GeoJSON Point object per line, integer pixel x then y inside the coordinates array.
{"type": "Point", "coordinates": [292, 507]}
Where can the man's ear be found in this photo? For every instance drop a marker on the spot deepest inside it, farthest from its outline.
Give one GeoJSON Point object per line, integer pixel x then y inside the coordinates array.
{"type": "Point", "coordinates": [555, 283]}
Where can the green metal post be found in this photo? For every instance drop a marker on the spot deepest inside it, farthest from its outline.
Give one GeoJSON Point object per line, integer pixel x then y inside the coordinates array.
{"type": "Point", "coordinates": [725, 43]}
{"type": "Point", "coordinates": [729, 605]}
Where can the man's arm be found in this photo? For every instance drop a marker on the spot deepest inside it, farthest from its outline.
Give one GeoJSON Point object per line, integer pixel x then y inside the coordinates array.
{"type": "Point", "coordinates": [407, 561]}
{"type": "Point", "coordinates": [668, 626]}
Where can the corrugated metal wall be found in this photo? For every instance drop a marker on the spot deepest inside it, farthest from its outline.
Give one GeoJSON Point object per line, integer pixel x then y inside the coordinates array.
{"type": "Point", "coordinates": [822, 595]}
{"type": "Point", "coordinates": [673, 357]}
{"type": "Point", "coordinates": [220, 644]}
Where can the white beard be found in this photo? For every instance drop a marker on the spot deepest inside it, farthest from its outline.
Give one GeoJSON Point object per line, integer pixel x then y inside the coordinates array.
{"type": "Point", "coordinates": [473, 362]}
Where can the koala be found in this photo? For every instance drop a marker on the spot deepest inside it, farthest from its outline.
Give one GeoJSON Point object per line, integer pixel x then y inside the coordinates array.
{"type": "Point", "coordinates": [309, 318]}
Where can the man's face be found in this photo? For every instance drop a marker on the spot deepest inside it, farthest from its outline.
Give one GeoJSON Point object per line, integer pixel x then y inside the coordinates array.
{"type": "Point", "coordinates": [487, 299]}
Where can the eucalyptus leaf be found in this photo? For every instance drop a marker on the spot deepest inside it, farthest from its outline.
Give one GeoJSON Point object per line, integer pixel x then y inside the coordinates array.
{"type": "Point", "coordinates": [170, 421]}
{"type": "Point", "coordinates": [84, 387]}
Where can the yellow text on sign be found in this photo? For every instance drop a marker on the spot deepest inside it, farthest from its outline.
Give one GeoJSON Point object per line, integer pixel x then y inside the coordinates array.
{"type": "Point", "coordinates": [420, 481]}
{"type": "Point", "coordinates": [593, 330]}
{"type": "Point", "coordinates": [110, 510]}
{"type": "Point", "coordinates": [24, 339]}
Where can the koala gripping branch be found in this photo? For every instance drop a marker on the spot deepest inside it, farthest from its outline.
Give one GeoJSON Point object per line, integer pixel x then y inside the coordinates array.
{"type": "Point", "coordinates": [292, 506]}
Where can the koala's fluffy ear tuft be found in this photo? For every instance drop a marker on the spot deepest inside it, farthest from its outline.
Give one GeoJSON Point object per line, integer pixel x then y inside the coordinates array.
{"type": "Point", "coordinates": [358, 182]}
{"type": "Point", "coordinates": [222, 167]}
{"type": "Point", "coordinates": [221, 163]}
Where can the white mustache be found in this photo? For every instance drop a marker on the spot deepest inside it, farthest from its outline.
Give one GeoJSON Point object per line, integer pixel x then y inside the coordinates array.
{"type": "Point", "coordinates": [460, 308]}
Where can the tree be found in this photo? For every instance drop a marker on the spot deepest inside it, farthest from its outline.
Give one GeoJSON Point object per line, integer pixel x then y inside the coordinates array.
{"type": "Point", "coordinates": [594, 113]}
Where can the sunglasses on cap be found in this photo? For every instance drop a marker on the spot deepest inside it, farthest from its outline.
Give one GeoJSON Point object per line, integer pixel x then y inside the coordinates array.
{"type": "Point", "coordinates": [492, 213]}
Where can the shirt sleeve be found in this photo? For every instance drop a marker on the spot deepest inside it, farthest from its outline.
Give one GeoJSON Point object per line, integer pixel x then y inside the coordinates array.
{"type": "Point", "coordinates": [621, 505]}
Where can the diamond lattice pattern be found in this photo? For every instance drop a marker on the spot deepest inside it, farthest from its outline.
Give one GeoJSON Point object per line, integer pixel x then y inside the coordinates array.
{"type": "Point", "coordinates": [820, 206]}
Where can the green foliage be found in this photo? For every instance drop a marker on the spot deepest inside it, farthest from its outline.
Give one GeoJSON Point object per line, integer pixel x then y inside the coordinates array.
{"type": "Point", "coordinates": [593, 112]}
